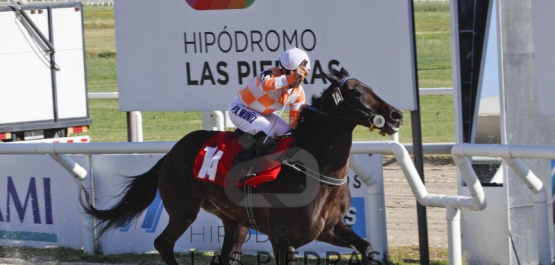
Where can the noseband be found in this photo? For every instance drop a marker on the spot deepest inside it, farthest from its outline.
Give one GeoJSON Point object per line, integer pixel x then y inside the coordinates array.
{"type": "Point", "coordinates": [373, 118]}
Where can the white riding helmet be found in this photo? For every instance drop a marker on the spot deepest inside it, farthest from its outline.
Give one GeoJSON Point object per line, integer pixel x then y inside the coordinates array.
{"type": "Point", "coordinates": [292, 59]}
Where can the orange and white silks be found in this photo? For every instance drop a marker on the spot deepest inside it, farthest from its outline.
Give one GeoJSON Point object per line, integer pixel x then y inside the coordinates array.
{"type": "Point", "coordinates": [270, 91]}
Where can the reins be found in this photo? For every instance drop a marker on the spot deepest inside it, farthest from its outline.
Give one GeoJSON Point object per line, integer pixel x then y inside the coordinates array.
{"type": "Point", "coordinates": [313, 174]}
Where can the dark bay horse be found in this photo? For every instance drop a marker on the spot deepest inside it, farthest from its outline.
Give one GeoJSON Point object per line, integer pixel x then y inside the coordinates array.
{"type": "Point", "coordinates": [324, 131]}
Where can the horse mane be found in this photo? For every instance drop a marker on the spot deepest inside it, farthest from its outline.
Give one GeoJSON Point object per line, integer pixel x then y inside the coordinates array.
{"type": "Point", "coordinates": [306, 115]}
{"type": "Point", "coordinates": [303, 121]}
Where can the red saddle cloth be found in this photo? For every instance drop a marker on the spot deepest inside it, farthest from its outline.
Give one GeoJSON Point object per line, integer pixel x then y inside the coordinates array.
{"type": "Point", "coordinates": [218, 154]}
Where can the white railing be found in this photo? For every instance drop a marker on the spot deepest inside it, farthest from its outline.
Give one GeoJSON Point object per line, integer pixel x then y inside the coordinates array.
{"type": "Point", "coordinates": [452, 203]}
{"type": "Point", "coordinates": [511, 155]}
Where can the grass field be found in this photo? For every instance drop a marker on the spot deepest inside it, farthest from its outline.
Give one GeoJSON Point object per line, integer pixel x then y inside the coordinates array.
{"type": "Point", "coordinates": [434, 70]}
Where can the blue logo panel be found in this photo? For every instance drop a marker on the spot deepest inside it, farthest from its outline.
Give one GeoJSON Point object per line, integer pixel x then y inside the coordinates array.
{"type": "Point", "coordinates": [152, 216]}
{"type": "Point", "coordinates": [355, 217]}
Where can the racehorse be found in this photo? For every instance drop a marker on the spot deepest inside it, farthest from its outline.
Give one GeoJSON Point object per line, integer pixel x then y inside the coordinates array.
{"type": "Point", "coordinates": [324, 131]}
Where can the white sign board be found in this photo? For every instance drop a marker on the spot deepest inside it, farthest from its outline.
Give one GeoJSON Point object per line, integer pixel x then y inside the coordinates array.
{"type": "Point", "coordinates": [172, 57]}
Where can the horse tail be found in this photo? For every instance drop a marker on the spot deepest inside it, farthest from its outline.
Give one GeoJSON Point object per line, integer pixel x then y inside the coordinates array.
{"type": "Point", "coordinates": [138, 194]}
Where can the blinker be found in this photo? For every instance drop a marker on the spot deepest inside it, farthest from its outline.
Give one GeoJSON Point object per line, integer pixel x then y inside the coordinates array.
{"type": "Point", "coordinates": [379, 121]}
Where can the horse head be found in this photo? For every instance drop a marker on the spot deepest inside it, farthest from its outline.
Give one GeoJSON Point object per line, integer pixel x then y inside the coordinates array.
{"type": "Point", "coordinates": [354, 101]}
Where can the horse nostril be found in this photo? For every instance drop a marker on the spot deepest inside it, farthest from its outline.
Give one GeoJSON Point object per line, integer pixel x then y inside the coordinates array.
{"type": "Point", "coordinates": [396, 115]}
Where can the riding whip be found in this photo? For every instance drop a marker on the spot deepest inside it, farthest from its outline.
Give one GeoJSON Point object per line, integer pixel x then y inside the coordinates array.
{"type": "Point", "coordinates": [295, 85]}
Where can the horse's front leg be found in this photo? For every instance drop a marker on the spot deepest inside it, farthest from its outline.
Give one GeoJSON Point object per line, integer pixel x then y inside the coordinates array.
{"type": "Point", "coordinates": [234, 238]}
{"type": "Point", "coordinates": [343, 236]}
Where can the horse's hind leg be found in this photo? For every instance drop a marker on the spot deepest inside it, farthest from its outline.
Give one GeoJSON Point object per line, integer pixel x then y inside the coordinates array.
{"type": "Point", "coordinates": [165, 242]}
{"type": "Point", "coordinates": [182, 202]}
{"type": "Point", "coordinates": [235, 236]}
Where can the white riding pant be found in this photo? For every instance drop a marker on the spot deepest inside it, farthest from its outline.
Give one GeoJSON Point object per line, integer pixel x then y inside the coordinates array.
{"type": "Point", "coordinates": [252, 122]}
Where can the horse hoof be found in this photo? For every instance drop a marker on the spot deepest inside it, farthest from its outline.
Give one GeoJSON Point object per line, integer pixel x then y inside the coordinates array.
{"type": "Point", "coordinates": [370, 254]}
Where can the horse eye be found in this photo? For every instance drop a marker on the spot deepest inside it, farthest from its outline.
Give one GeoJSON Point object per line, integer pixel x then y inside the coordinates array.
{"type": "Point", "coordinates": [357, 93]}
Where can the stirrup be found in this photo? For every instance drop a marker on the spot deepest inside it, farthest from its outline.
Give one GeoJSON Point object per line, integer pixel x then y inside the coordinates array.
{"type": "Point", "coordinates": [265, 146]}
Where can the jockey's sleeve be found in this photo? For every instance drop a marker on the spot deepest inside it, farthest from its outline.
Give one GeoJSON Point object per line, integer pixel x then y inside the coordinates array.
{"type": "Point", "coordinates": [294, 108]}
{"type": "Point", "coordinates": [270, 80]}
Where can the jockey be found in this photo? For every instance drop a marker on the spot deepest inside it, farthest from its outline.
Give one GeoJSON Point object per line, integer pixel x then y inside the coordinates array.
{"type": "Point", "coordinates": [253, 109]}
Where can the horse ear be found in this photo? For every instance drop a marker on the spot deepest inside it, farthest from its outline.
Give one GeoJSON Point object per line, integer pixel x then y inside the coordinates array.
{"type": "Point", "coordinates": [344, 72]}
{"type": "Point", "coordinates": [333, 75]}
{"type": "Point", "coordinates": [327, 75]}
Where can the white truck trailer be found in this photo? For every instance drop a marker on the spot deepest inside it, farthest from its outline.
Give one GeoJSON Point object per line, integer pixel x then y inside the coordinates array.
{"type": "Point", "coordinates": [43, 86]}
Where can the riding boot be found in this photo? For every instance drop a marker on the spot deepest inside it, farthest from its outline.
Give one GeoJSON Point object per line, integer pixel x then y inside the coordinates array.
{"type": "Point", "coordinates": [264, 145]}
{"type": "Point", "coordinates": [253, 145]}
{"type": "Point", "coordinates": [248, 142]}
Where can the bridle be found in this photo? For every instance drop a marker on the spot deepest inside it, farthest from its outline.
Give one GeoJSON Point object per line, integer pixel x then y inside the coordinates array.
{"type": "Point", "coordinates": [375, 120]}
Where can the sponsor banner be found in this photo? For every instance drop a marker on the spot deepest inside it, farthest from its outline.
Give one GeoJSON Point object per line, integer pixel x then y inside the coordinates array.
{"type": "Point", "coordinates": [196, 54]}
{"type": "Point", "coordinates": [39, 207]}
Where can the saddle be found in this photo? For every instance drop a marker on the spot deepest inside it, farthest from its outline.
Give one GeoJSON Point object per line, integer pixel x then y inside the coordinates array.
{"type": "Point", "coordinates": [218, 156]}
